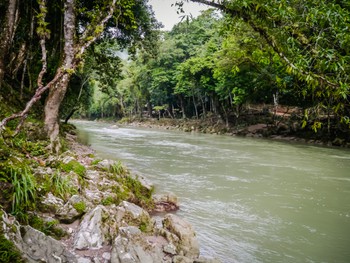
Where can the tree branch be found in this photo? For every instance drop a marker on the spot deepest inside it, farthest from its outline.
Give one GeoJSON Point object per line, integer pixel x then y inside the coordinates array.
{"type": "Point", "coordinates": [221, 5]}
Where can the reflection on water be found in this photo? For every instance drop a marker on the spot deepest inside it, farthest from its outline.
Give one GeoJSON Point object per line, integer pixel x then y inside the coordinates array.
{"type": "Point", "coordinates": [249, 200]}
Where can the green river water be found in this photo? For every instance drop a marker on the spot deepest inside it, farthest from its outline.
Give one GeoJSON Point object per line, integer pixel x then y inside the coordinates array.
{"type": "Point", "coordinates": [249, 200]}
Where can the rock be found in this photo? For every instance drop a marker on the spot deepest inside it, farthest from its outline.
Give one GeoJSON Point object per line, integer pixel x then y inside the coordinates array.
{"type": "Point", "coordinates": [338, 142]}
{"type": "Point", "coordinates": [34, 245]}
{"type": "Point", "coordinates": [131, 214]}
{"type": "Point", "coordinates": [67, 158]}
{"type": "Point", "coordinates": [84, 260]}
{"type": "Point", "coordinates": [170, 249]}
{"type": "Point", "coordinates": [68, 213]}
{"type": "Point", "coordinates": [182, 259]}
{"type": "Point", "coordinates": [165, 203]}
{"type": "Point", "coordinates": [92, 175]}
{"type": "Point", "coordinates": [90, 233]}
{"type": "Point", "coordinates": [183, 236]}
{"type": "Point", "coordinates": [105, 164]}
{"type": "Point", "coordinates": [130, 246]}
{"type": "Point", "coordinates": [52, 203]}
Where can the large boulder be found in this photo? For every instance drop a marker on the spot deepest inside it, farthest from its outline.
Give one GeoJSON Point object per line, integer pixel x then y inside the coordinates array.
{"type": "Point", "coordinates": [131, 246]}
{"type": "Point", "coordinates": [34, 245]}
{"type": "Point", "coordinates": [92, 231]}
{"type": "Point", "coordinates": [181, 234]}
{"type": "Point", "coordinates": [100, 225]}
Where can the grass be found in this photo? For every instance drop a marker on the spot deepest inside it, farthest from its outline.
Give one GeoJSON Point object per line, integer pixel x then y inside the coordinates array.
{"type": "Point", "coordinates": [118, 168]}
{"type": "Point", "coordinates": [61, 186]}
{"type": "Point", "coordinates": [80, 207]}
{"type": "Point", "coordinates": [24, 190]}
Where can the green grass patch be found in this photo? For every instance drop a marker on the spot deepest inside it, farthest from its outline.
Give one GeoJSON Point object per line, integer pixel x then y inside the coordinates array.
{"type": "Point", "coordinates": [80, 207]}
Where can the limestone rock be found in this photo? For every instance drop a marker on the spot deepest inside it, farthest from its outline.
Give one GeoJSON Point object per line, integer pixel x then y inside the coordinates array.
{"type": "Point", "coordinates": [130, 246]}
{"type": "Point", "coordinates": [105, 164]}
{"type": "Point", "coordinates": [182, 259]}
{"type": "Point", "coordinates": [183, 236]}
{"type": "Point", "coordinates": [52, 203]}
{"type": "Point", "coordinates": [131, 214]}
{"type": "Point", "coordinates": [90, 233]}
{"type": "Point", "coordinates": [34, 245]}
{"type": "Point", "coordinates": [68, 213]}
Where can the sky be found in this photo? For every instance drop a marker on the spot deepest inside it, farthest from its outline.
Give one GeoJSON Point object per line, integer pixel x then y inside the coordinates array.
{"type": "Point", "coordinates": [166, 13]}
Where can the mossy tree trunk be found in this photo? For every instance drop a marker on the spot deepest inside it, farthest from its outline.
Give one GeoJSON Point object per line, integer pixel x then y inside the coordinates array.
{"type": "Point", "coordinates": [58, 92]}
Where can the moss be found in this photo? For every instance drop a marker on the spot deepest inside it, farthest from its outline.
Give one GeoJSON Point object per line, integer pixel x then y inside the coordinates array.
{"type": "Point", "coordinates": [49, 228]}
{"type": "Point", "coordinates": [143, 227]}
{"type": "Point", "coordinates": [74, 166]}
{"type": "Point", "coordinates": [142, 195]}
{"type": "Point", "coordinates": [8, 251]}
{"type": "Point", "coordinates": [94, 162]}
{"type": "Point", "coordinates": [80, 207]}
{"type": "Point", "coordinates": [109, 201]}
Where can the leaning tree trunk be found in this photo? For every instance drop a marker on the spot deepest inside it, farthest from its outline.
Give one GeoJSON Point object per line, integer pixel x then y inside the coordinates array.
{"type": "Point", "coordinates": [57, 93]}
{"type": "Point", "coordinates": [59, 84]}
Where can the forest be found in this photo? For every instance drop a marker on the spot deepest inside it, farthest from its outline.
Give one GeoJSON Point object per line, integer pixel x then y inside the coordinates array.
{"type": "Point", "coordinates": [110, 59]}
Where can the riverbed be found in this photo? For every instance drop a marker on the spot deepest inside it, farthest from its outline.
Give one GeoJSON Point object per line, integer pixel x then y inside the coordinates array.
{"type": "Point", "coordinates": [249, 200]}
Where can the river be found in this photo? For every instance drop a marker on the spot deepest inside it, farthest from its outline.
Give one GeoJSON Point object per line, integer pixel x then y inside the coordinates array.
{"type": "Point", "coordinates": [249, 200]}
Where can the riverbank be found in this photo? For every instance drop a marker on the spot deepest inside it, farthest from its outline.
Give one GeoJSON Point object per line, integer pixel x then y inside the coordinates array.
{"type": "Point", "coordinates": [281, 131]}
{"type": "Point", "coordinates": [79, 208]}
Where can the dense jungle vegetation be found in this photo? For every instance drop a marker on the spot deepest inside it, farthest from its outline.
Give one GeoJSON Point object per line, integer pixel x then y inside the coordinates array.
{"type": "Point", "coordinates": [224, 63]}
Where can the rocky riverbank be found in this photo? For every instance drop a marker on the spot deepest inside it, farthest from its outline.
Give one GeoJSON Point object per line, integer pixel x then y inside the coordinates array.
{"type": "Point", "coordinates": [284, 131]}
{"type": "Point", "coordinates": [92, 210]}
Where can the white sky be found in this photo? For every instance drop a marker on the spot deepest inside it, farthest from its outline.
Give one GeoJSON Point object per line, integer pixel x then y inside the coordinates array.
{"type": "Point", "coordinates": [166, 13]}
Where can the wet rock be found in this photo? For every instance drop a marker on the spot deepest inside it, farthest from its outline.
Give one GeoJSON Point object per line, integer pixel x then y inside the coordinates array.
{"type": "Point", "coordinates": [165, 203]}
{"type": "Point", "coordinates": [182, 236]}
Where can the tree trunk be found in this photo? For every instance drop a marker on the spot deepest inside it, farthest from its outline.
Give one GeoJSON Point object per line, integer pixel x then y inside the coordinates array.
{"type": "Point", "coordinates": [58, 92]}
{"type": "Point", "coordinates": [195, 105]}
{"type": "Point", "coordinates": [7, 34]}
{"type": "Point", "coordinates": [182, 107]}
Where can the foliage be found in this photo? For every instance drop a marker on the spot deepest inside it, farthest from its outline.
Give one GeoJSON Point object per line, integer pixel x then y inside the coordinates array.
{"type": "Point", "coordinates": [8, 252]}
{"type": "Point", "coordinates": [24, 190]}
{"type": "Point", "coordinates": [80, 207]}
{"type": "Point", "coordinates": [118, 169]}
{"type": "Point", "coordinates": [48, 227]}
{"type": "Point", "coordinates": [59, 185]}
{"type": "Point", "coordinates": [143, 195]}
{"type": "Point", "coordinates": [74, 166]}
